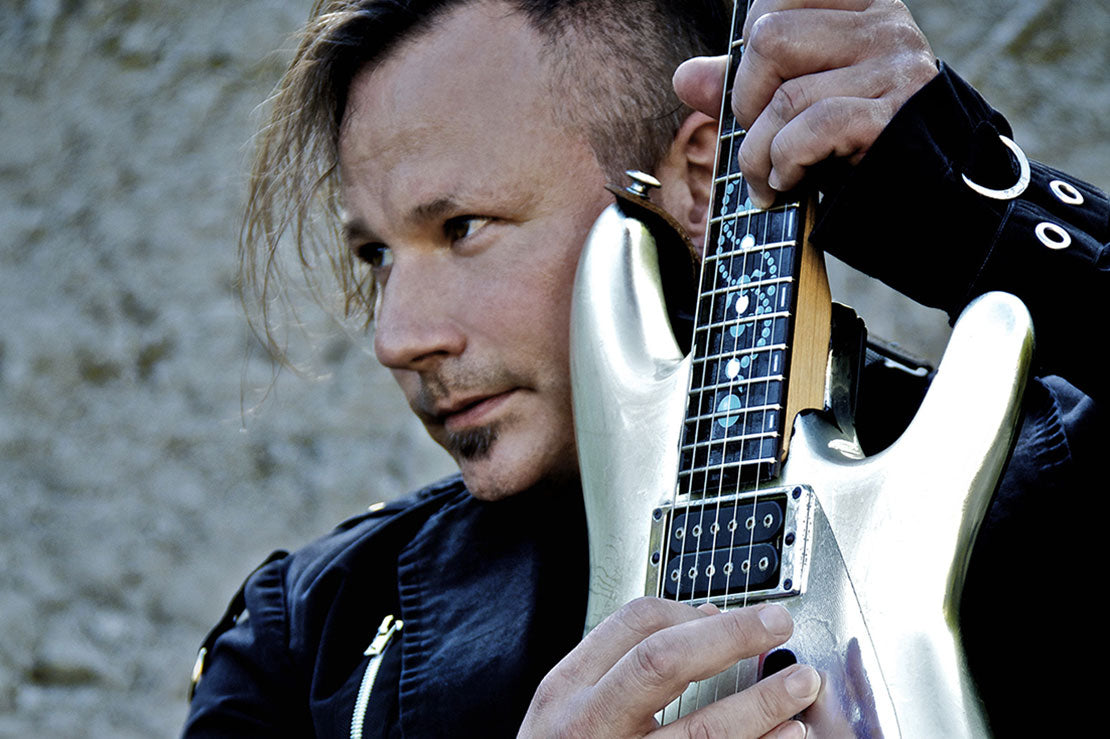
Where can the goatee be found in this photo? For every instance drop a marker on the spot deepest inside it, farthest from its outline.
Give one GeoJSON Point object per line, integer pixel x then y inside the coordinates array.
{"type": "Point", "coordinates": [472, 443]}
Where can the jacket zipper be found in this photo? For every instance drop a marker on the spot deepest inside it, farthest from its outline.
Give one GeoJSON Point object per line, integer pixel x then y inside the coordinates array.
{"type": "Point", "coordinates": [389, 627]}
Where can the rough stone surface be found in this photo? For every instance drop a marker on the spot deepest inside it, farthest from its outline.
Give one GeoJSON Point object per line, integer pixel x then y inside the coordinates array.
{"type": "Point", "coordinates": [136, 492]}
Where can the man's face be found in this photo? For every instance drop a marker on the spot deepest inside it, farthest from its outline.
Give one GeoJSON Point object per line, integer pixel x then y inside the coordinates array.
{"type": "Point", "coordinates": [457, 176]}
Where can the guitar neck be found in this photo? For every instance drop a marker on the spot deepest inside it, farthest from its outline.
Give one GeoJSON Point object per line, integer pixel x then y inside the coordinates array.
{"type": "Point", "coordinates": [761, 330]}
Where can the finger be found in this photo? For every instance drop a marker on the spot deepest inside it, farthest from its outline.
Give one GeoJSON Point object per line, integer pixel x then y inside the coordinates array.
{"type": "Point", "coordinates": [700, 83]}
{"type": "Point", "coordinates": [659, 668]}
{"type": "Point", "coordinates": [614, 637]}
{"type": "Point", "coordinates": [790, 44]}
{"type": "Point", "coordinates": [793, 152]}
{"type": "Point", "coordinates": [842, 127]}
{"type": "Point", "coordinates": [752, 713]}
{"type": "Point", "coordinates": [762, 7]}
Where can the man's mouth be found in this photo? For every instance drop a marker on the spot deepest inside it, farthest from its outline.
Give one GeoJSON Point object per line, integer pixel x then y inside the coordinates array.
{"type": "Point", "coordinates": [464, 413]}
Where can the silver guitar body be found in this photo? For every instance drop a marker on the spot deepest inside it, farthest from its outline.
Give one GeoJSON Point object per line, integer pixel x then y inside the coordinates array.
{"type": "Point", "coordinates": [882, 541]}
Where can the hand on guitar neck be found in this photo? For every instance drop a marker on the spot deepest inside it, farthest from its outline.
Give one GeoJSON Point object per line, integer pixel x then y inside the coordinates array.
{"type": "Point", "coordinates": [818, 79]}
{"type": "Point", "coordinates": [643, 657]}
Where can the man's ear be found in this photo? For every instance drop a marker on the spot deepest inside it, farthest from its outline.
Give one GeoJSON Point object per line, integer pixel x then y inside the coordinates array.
{"type": "Point", "coordinates": [687, 175]}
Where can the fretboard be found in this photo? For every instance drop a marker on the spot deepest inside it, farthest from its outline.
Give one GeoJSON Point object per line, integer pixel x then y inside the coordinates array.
{"type": "Point", "coordinates": [744, 324]}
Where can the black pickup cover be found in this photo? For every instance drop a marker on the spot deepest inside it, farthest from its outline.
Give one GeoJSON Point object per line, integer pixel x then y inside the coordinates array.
{"type": "Point", "coordinates": [724, 549]}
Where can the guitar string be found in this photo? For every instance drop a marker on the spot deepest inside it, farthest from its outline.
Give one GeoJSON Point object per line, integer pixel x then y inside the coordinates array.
{"type": "Point", "coordinates": [738, 483]}
{"type": "Point", "coordinates": [743, 334]}
{"type": "Point", "coordinates": [699, 400]}
{"type": "Point", "coordinates": [732, 298]}
{"type": "Point", "coordinates": [729, 297]}
{"type": "Point", "coordinates": [789, 218]}
{"type": "Point", "coordinates": [765, 256]}
{"type": "Point", "coordinates": [744, 212]}
{"type": "Point", "coordinates": [745, 269]}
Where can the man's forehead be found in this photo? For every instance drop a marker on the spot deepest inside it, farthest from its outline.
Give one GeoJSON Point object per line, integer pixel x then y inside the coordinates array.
{"type": "Point", "coordinates": [475, 48]}
{"type": "Point", "coordinates": [429, 121]}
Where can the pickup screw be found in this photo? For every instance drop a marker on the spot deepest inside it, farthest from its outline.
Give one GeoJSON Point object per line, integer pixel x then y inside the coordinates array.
{"type": "Point", "coordinates": [657, 514]}
{"type": "Point", "coordinates": [797, 493]}
{"type": "Point", "coordinates": [641, 182]}
{"type": "Point", "coordinates": [789, 539]}
{"type": "Point", "coordinates": [655, 558]}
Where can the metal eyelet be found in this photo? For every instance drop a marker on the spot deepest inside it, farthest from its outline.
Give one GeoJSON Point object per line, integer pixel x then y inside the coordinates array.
{"type": "Point", "coordinates": [1010, 192]}
{"type": "Point", "coordinates": [1066, 193]}
{"type": "Point", "coordinates": [1052, 235]}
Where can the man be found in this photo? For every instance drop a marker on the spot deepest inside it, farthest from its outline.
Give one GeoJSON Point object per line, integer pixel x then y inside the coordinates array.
{"type": "Point", "coordinates": [468, 143]}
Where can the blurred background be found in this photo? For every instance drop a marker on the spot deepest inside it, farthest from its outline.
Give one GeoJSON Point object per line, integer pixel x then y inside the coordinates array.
{"type": "Point", "coordinates": [138, 487]}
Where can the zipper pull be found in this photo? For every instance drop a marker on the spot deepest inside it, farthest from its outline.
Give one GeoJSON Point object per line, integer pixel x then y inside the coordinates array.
{"type": "Point", "coordinates": [389, 627]}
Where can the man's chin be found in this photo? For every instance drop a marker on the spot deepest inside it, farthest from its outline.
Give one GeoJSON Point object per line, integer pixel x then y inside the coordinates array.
{"type": "Point", "coordinates": [487, 481]}
{"type": "Point", "coordinates": [498, 461]}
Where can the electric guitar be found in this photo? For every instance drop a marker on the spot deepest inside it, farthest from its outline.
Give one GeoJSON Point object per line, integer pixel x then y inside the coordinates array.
{"type": "Point", "coordinates": [728, 470]}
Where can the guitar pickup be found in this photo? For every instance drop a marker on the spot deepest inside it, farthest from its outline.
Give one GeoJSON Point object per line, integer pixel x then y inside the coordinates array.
{"type": "Point", "coordinates": [721, 571]}
{"type": "Point", "coordinates": [730, 549]}
{"type": "Point", "coordinates": [726, 525]}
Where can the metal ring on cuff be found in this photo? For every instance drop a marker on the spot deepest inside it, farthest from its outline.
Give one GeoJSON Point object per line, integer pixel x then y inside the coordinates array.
{"type": "Point", "coordinates": [1059, 238]}
{"type": "Point", "coordinates": [1065, 192]}
{"type": "Point", "coordinates": [1011, 192]}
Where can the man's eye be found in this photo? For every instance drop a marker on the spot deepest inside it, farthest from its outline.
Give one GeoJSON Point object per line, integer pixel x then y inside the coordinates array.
{"type": "Point", "coordinates": [457, 229]}
{"type": "Point", "coordinates": [376, 255]}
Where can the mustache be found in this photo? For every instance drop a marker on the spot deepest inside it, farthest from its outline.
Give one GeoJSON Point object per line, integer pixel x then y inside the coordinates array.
{"type": "Point", "coordinates": [446, 383]}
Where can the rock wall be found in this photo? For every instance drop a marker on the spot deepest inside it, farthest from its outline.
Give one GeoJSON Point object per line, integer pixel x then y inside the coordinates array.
{"type": "Point", "coordinates": [138, 485]}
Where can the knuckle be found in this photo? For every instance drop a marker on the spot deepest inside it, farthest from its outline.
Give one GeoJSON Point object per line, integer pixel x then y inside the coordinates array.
{"type": "Point", "coordinates": [825, 119]}
{"type": "Point", "coordinates": [548, 692]}
{"type": "Point", "coordinates": [702, 727]}
{"type": "Point", "coordinates": [789, 99]}
{"type": "Point", "coordinates": [656, 661]}
{"type": "Point", "coordinates": [767, 35]}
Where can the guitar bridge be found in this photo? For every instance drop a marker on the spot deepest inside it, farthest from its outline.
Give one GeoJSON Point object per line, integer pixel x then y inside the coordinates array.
{"type": "Point", "coordinates": [732, 550]}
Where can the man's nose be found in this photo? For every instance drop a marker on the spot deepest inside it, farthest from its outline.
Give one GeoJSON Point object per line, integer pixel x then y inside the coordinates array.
{"type": "Point", "coordinates": [416, 324]}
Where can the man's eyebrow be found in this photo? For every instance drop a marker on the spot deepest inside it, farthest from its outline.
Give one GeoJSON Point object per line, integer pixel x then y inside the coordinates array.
{"type": "Point", "coordinates": [433, 210]}
{"type": "Point", "coordinates": [355, 229]}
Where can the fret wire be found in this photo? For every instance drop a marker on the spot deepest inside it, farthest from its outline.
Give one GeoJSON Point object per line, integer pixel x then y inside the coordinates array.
{"type": "Point", "coordinates": [753, 250]}
{"type": "Point", "coordinates": [726, 465]}
{"type": "Point", "coordinates": [743, 352]}
{"type": "Point", "coordinates": [730, 177]}
{"type": "Point", "coordinates": [700, 445]}
{"type": "Point", "coordinates": [785, 208]}
{"type": "Point", "coordinates": [755, 285]}
{"type": "Point", "coordinates": [734, 412]}
{"type": "Point", "coordinates": [745, 320]}
{"type": "Point", "coordinates": [734, 383]}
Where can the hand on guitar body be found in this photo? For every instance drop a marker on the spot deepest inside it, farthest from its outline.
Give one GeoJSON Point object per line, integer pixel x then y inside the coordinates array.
{"type": "Point", "coordinates": [643, 656]}
{"type": "Point", "coordinates": [818, 78]}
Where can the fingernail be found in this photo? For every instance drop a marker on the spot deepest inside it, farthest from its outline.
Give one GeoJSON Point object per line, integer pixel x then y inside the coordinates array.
{"type": "Point", "coordinates": [792, 730]}
{"type": "Point", "coordinates": [774, 182]}
{"type": "Point", "coordinates": [776, 620]}
{"type": "Point", "coordinates": [803, 683]}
